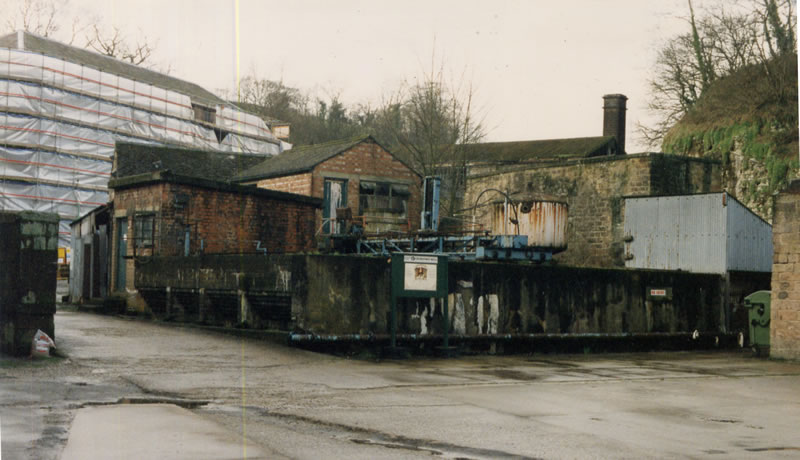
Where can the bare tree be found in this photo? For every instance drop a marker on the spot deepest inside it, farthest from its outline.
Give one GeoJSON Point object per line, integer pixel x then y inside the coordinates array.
{"type": "Point", "coordinates": [430, 122]}
{"type": "Point", "coordinates": [716, 45]}
{"type": "Point", "coordinates": [115, 44]}
{"type": "Point", "coordinates": [36, 16]}
{"type": "Point", "coordinates": [45, 17]}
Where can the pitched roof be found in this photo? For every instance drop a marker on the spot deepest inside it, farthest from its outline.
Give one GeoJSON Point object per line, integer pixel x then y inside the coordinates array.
{"type": "Point", "coordinates": [170, 178]}
{"type": "Point", "coordinates": [540, 150]}
{"type": "Point", "coordinates": [299, 159]}
{"type": "Point", "coordinates": [98, 61]}
{"type": "Point", "coordinates": [133, 159]}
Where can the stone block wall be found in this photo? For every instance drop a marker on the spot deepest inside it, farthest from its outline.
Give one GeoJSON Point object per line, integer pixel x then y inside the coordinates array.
{"type": "Point", "coordinates": [594, 189]}
{"type": "Point", "coordinates": [785, 308]}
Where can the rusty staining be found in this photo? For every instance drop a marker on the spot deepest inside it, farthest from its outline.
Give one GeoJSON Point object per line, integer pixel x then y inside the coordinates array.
{"type": "Point", "coordinates": [545, 224]}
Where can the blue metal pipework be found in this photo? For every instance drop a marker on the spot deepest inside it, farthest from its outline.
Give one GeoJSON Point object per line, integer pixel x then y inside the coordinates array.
{"type": "Point", "coordinates": [431, 187]}
{"type": "Point", "coordinates": [500, 247]}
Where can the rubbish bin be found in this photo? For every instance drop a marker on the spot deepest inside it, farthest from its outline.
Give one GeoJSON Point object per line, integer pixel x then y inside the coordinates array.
{"type": "Point", "coordinates": [757, 305]}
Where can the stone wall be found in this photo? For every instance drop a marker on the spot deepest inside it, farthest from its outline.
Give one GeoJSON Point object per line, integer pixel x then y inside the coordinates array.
{"type": "Point", "coordinates": [785, 313]}
{"type": "Point", "coordinates": [594, 189]}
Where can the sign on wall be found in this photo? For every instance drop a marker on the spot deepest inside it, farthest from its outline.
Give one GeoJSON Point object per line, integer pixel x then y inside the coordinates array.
{"type": "Point", "coordinates": [420, 273]}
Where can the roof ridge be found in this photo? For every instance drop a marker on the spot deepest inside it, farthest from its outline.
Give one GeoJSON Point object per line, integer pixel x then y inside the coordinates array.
{"type": "Point", "coordinates": [329, 143]}
{"type": "Point", "coordinates": [538, 140]}
{"type": "Point", "coordinates": [152, 74]}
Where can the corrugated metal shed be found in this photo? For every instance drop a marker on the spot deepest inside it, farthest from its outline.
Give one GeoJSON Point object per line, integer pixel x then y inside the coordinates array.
{"type": "Point", "coordinates": [707, 233]}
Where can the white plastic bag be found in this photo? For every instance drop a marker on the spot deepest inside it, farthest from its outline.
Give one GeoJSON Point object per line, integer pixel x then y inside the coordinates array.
{"type": "Point", "coordinates": [40, 346]}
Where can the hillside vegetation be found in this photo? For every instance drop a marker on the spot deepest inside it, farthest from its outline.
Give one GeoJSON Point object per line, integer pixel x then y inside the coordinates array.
{"type": "Point", "coordinates": [749, 121]}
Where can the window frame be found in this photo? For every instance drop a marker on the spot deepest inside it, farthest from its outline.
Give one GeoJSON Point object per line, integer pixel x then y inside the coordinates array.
{"type": "Point", "coordinates": [395, 192]}
{"type": "Point", "coordinates": [141, 222]}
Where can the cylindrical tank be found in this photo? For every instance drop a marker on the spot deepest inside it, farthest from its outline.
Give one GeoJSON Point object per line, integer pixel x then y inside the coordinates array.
{"type": "Point", "coordinates": [543, 221]}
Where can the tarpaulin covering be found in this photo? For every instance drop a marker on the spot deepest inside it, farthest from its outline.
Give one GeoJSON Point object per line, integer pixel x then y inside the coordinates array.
{"type": "Point", "coordinates": [59, 122]}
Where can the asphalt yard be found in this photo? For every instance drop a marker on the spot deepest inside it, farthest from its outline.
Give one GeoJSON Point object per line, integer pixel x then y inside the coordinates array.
{"type": "Point", "coordinates": [133, 389]}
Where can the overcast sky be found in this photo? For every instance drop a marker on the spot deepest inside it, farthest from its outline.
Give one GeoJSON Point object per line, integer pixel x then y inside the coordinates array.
{"type": "Point", "coordinates": [539, 67]}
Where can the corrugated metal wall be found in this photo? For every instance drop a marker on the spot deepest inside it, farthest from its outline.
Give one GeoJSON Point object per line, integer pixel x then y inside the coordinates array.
{"type": "Point", "coordinates": [749, 240]}
{"type": "Point", "coordinates": [709, 233]}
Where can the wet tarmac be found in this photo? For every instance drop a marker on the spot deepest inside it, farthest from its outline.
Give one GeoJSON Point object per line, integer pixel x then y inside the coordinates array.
{"type": "Point", "coordinates": [284, 402]}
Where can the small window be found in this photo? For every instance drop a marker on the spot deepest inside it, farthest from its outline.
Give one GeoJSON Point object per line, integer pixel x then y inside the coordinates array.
{"type": "Point", "coordinates": [203, 113]}
{"type": "Point", "coordinates": [143, 226]}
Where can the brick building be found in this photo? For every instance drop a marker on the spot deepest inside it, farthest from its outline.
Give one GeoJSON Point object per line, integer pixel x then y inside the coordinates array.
{"type": "Point", "coordinates": [785, 312]}
{"type": "Point", "coordinates": [380, 190]}
{"type": "Point", "coordinates": [174, 202]}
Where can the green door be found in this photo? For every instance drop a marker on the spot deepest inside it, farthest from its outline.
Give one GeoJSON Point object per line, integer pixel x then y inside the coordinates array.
{"type": "Point", "coordinates": [334, 196]}
{"type": "Point", "coordinates": [122, 250]}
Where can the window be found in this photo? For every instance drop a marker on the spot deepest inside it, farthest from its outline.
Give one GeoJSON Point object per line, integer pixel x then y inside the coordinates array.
{"type": "Point", "coordinates": [383, 197]}
{"type": "Point", "coordinates": [203, 113]}
{"type": "Point", "coordinates": [143, 225]}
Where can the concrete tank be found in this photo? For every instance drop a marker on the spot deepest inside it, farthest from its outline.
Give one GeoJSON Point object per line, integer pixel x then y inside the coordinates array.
{"type": "Point", "coordinates": [543, 221]}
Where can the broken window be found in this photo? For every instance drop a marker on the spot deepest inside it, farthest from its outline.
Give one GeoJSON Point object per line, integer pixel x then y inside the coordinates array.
{"type": "Point", "coordinates": [383, 197]}
{"type": "Point", "coordinates": [143, 226]}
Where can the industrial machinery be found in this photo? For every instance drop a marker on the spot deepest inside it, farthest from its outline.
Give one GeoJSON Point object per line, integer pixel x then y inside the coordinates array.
{"type": "Point", "coordinates": [519, 229]}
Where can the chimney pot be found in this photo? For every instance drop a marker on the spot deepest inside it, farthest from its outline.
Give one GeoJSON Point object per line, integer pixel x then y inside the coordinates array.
{"type": "Point", "coordinates": [614, 107]}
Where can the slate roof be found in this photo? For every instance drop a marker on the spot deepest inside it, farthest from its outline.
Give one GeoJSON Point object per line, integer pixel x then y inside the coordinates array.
{"type": "Point", "coordinates": [299, 159]}
{"type": "Point", "coordinates": [548, 149]}
{"type": "Point", "coordinates": [133, 159]}
{"type": "Point", "coordinates": [157, 177]}
{"type": "Point", "coordinates": [98, 61]}
{"type": "Point", "coordinates": [260, 111]}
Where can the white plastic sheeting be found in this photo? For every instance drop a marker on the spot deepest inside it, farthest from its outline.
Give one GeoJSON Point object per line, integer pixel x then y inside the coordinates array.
{"type": "Point", "coordinates": [94, 83]}
{"type": "Point", "coordinates": [33, 98]}
{"type": "Point", "coordinates": [52, 166]}
{"type": "Point", "coordinates": [59, 122]}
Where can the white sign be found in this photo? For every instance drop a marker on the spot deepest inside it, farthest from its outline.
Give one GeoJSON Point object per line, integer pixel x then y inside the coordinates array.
{"type": "Point", "coordinates": [420, 273]}
{"type": "Point", "coordinates": [421, 259]}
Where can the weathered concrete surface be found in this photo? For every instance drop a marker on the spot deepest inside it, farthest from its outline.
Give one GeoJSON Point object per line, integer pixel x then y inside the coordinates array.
{"type": "Point", "coordinates": [152, 431]}
{"type": "Point", "coordinates": [298, 404]}
{"type": "Point", "coordinates": [329, 294]}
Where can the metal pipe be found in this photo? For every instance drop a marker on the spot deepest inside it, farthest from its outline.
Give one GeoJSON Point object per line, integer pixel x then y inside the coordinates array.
{"type": "Point", "coordinates": [517, 336]}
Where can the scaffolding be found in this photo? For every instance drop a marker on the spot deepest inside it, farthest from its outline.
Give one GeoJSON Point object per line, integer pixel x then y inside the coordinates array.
{"type": "Point", "coordinates": [60, 119]}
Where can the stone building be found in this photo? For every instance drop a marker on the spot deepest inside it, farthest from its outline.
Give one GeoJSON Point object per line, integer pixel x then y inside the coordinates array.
{"type": "Point", "coordinates": [592, 175]}
{"type": "Point", "coordinates": [785, 309]}
{"type": "Point", "coordinates": [380, 190]}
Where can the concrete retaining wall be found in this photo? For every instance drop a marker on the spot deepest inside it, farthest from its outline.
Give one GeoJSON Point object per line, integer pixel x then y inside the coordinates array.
{"type": "Point", "coordinates": [351, 295]}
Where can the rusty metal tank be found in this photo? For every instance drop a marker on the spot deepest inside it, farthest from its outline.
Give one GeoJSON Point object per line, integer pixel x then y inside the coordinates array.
{"type": "Point", "coordinates": [543, 221]}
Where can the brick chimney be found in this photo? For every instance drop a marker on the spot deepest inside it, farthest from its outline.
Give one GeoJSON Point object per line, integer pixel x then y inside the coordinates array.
{"type": "Point", "coordinates": [614, 119]}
